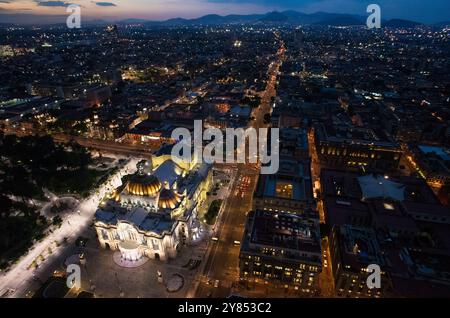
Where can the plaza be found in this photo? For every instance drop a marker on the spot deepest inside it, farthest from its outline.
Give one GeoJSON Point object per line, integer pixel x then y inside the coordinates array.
{"type": "Point", "coordinates": [101, 275]}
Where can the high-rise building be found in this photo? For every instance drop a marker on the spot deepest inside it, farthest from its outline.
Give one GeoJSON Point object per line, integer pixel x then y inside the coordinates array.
{"type": "Point", "coordinates": [282, 250]}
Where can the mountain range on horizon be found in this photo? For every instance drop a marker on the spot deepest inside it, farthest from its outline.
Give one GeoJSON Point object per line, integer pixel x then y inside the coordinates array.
{"type": "Point", "coordinates": [289, 17]}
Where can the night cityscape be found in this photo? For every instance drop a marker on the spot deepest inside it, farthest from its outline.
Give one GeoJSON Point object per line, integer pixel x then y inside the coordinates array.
{"type": "Point", "coordinates": [214, 150]}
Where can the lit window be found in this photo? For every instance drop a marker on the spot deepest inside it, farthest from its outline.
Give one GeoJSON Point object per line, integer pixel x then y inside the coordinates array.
{"type": "Point", "coordinates": [284, 190]}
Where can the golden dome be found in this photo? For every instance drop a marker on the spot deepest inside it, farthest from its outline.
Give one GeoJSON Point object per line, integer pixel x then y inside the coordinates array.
{"type": "Point", "coordinates": [143, 185]}
{"type": "Point", "coordinates": [168, 199]}
{"type": "Point", "coordinates": [115, 196]}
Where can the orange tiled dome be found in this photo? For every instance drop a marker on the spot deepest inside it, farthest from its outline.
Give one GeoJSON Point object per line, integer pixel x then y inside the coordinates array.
{"type": "Point", "coordinates": [115, 196]}
{"type": "Point", "coordinates": [144, 185]}
{"type": "Point", "coordinates": [168, 199]}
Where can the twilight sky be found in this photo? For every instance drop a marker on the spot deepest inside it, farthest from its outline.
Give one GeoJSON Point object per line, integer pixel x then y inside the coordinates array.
{"type": "Point", "coordinates": [418, 10]}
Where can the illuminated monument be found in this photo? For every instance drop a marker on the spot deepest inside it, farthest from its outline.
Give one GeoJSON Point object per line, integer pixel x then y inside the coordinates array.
{"type": "Point", "coordinates": [156, 210]}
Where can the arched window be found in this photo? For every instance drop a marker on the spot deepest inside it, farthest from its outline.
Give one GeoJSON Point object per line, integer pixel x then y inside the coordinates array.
{"type": "Point", "coordinates": [132, 235]}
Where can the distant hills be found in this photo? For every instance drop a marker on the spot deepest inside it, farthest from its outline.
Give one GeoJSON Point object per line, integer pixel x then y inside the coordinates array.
{"type": "Point", "coordinates": [289, 17]}
{"type": "Point", "coordinates": [443, 24]}
{"type": "Point", "coordinates": [285, 17]}
{"type": "Point", "coordinates": [399, 23]}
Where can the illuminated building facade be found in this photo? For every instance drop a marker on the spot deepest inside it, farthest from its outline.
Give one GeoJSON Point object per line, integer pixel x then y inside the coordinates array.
{"type": "Point", "coordinates": [352, 250]}
{"type": "Point", "coordinates": [355, 147]}
{"type": "Point", "coordinates": [281, 249]}
{"type": "Point", "coordinates": [432, 163]}
{"type": "Point", "coordinates": [155, 212]}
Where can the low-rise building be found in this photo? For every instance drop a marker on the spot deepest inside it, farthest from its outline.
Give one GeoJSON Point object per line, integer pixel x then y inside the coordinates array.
{"type": "Point", "coordinates": [432, 162]}
{"type": "Point", "coordinates": [355, 147]}
{"type": "Point", "coordinates": [352, 250]}
{"type": "Point", "coordinates": [289, 190]}
{"type": "Point", "coordinates": [294, 143]}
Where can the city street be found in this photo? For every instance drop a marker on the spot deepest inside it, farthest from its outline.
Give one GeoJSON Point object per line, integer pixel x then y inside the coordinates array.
{"type": "Point", "coordinates": [223, 256]}
{"type": "Point", "coordinates": [326, 281]}
{"type": "Point", "coordinates": [221, 273]}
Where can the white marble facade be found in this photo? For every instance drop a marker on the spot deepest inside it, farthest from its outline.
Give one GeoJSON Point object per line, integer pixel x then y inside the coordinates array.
{"type": "Point", "coordinates": [155, 212]}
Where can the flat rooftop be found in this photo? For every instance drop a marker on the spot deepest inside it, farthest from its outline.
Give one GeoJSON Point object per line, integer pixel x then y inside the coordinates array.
{"type": "Point", "coordinates": [344, 200]}
{"type": "Point", "coordinates": [292, 181]}
{"type": "Point", "coordinates": [443, 153]}
{"type": "Point", "coordinates": [296, 137]}
{"type": "Point", "coordinates": [352, 135]}
{"type": "Point", "coordinates": [358, 247]}
{"type": "Point", "coordinates": [139, 217]}
{"type": "Point", "coordinates": [287, 232]}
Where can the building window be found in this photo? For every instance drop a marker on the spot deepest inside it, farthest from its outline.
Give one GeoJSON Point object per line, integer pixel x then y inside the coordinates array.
{"type": "Point", "coordinates": [132, 236]}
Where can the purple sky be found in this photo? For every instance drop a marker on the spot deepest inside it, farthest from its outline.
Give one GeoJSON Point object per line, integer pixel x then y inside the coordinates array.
{"type": "Point", "coordinates": [419, 10]}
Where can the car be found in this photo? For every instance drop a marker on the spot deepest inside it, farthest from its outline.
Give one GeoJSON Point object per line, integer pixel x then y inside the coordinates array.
{"type": "Point", "coordinates": [58, 273]}
{"type": "Point", "coordinates": [237, 243]}
{"type": "Point", "coordinates": [215, 239]}
{"type": "Point", "coordinates": [81, 255]}
{"type": "Point", "coordinates": [216, 283]}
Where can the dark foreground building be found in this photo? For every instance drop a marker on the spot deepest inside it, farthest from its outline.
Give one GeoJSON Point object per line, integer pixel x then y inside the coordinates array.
{"type": "Point", "coordinates": [353, 250]}
{"type": "Point", "coordinates": [281, 249]}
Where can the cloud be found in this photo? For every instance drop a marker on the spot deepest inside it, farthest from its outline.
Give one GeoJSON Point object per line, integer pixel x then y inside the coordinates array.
{"type": "Point", "coordinates": [52, 3]}
{"type": "Point", "coordinates": [106, 4]}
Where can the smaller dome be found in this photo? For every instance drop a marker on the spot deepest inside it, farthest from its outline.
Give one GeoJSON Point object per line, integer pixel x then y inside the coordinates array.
{"type": "Point", "coordinates": [115, 196]}
{"type": "Point", "coordinates": [168, 199]}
